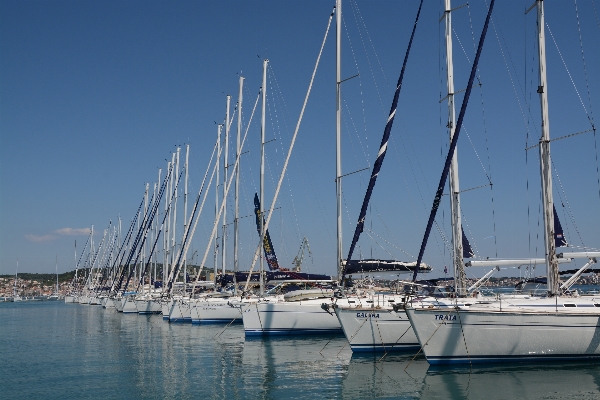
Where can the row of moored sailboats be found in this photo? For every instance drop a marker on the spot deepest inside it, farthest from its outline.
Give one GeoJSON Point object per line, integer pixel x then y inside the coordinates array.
{"type": "Point", "coordinates": [454, 326]}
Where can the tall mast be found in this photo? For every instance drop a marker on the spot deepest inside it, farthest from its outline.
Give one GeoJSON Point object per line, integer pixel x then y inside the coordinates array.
{"type": "Point", "coordinates": [237, 188]}
{"type": "Point", "coordinates": [92, 250]}
{"type": "Point", "coordinates": [75, 281]}
{"type": "Point", "coordinates": [546, 173]}
{"type": "Point", "coordinates": [225, 168]}
{"type": "Point", "coordinates": [338, 116]}
{"type": "Point", "coordinates": [458, 262]}
{"type": "Point", "coordinates": [185, 196]}
{"type": "Point", "coordinates": [173, 238]}
{"type": "Point", "coordinates": [219, 127]}
{"type": "Point", "coordinates": [169, 211]}
{"type": "Point", "coordinates": [16, 277]}
{"type": "Point", "coordinates": [142, 262]}
{"type": "Point", "coordinates": [56, 268]}
{"type": "Point", "coordinates": [262, 174]}
{"type": "Point", "coordinates": [155, 222]}
{"type": "Point", "coordinates": [166, 235]}
{"type": "Point", "coordinates": [118, 245]}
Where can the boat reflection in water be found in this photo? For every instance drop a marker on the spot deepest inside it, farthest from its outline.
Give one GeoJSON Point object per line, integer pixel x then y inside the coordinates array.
{"type": "Point", "coordinates": [292, 366]}
{"type": "Point", "coordinates": [526, 381]}
{"type": "Point", "coordinates": [374, 376]}
{"type": "Point", "coordinates": [398, 376]}
{"type": "Point", "coordinates": [287, 367]}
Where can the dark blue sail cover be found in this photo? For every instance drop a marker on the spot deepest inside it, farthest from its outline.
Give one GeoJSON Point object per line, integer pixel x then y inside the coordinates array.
{"type": "Point", "coordinates": [382, 148]}
{"type": "Point", "coordinates": [267, 244]}
{"type": "Point", "coordinates": [273, 276]}
{"type": "Point", "coordinates": [370, 266]}
{"type": "Point", "coordinates": [574, 271]}
{"type": "Point", "coordinates": [461, 115]}
{"type": "Point", "coordinates": [559, 237]}
{"type": "Point", "coordinates": [467, 250]}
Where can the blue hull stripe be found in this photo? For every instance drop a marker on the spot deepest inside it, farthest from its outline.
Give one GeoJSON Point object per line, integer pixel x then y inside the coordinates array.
{"type": "Point", "coordinates": [215, 321]}
{"type": "Point", "coordinates": [514, 358]}
{"type": "Point", "coordinates": [366, 348]}
{"type": "Point", "coordinates": [267, 332]}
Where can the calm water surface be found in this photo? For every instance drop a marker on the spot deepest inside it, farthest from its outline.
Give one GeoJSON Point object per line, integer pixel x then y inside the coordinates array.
{"type": "Point", "coordinates": [52, 350]}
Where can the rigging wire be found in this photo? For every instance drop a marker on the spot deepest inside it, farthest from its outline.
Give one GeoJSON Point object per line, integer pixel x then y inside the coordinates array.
{"type": "Point", "coordinates": [488, 173]}
{"type": "Point", "coordinates": [569, 210]}
{"type": "Point", "coordinates": [591, 115]}
{"type": "Point", "coordinates": [279, 96]}
{"type": "Point", "coordinates": [356, 11]}
{"type": "Point", "coordinates": [595, 13]}
{"type": "Point", "coordinates": [569, 73]}
{"type": "Point", "coordinates": [362, 97]}
{"type": "Point", "coordinates": [406, 140]}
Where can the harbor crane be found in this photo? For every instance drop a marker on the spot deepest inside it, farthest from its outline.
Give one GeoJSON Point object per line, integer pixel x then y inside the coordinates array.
{"type": "Point", "coordinates": [300, 256]}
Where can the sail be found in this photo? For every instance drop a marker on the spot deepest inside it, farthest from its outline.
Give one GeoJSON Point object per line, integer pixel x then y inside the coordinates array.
{"type": "Point", "coordinates": [467, 250]}
{"type": "Point", "coordinates": [461, 115]}
{"type": "Point", "coordinates": [267, 244]}
{"type": "Point", "coordinates": [559, 237]}
{"type": "Point", "coordinates": [383, 146]}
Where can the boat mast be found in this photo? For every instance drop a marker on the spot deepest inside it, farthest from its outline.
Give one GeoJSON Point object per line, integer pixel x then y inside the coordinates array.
{"type": "Point", "coordinates": [237, 190]}
{"type": "Point", "coordinates": [155, 223]}
{"type": "Point", "coordinates": [56, 268]}
{"type": "Point", "coordinates": [185, 196]}
{"type": "Point", "coordinates": [225, 168]}
{"type": "Point", "coordinates": [75, 281]}
{"type": "Point", "coordinates": [173, 238]}
{"type": "Point", "coordinates": [262, 174]}
{"type": "Point", "coordinates": [88, 277]}
{"type": "Point", "coordinates": [546, 173]}
{"type": "Point", "coordinates": [338, 116]}
{"type": "Point", "coordinates": [169, 211]}
{"type": "Point", "coordinates": [460, 283]}
{"type": "Point", "coordinates": [16, 277]}
{"type": "Point", "coordinates": [219, 126]}
{"type": "Point", "coordinates": [143, 261]}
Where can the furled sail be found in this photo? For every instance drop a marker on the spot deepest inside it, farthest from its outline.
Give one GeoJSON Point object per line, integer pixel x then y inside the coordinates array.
{"type": "Point", "coordinates": [267, 244]}
{"type": "Point", "coordinates": [467, 250]}
{"type": "Point", "coordinates": [461, 115]}
{"type": "Point", "coordinates": [382, 148]}
{"type": "Point", "coordinates": [559, 237]}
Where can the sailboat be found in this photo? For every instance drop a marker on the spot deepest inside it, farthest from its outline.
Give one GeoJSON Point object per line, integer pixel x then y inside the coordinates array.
{"type": "Point", "coordinates": [553, 327]}
{"type": "Point", "coordinates": [302, 315]}
{"type": "Point", "coordinates": [372, 326]}
{"type": "Point", "coordinates": [16, 297]}
{"type": "Point", "coordinates": [215, 307]}
{"type": "Point", "coordinates": [56, 295]}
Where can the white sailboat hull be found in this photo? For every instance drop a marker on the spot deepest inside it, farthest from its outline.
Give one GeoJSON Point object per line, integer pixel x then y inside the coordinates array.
{"type": "Point", "coordinates": [289, 318]}
{"type": "Point", "coordinates": [109, 303]}
{"type": "Point", "coordinates": [120, 303]}
{"type": "Point", "coordinates": [372, 330]}
{"type": "Point", "coordinates": [129, 307]}
{"type": "Point", "coordinates": [180, 312]}
{"type": "Point", "coordinates": [70, 299]}
{"type": "Point", "coordinates": [215, 311]}
{"type": "Point", "coordinates": [166, 308]}
{"type": "Point", "coordinates": [148, 307]}
{"type": "Point", "coordinates": [480, 335]}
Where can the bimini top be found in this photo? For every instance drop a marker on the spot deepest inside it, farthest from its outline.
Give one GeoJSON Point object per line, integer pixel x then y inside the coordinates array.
{"type": "Point", "coordinates": [370, 266]}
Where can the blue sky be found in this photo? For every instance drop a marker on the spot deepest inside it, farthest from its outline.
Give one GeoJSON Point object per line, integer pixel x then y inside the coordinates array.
{"type": "Point", "coordinates": [95, 96]}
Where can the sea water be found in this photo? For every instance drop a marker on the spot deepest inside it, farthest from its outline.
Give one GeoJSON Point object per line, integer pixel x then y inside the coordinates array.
{"type": "Point", "coordinates": [52, 350]}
